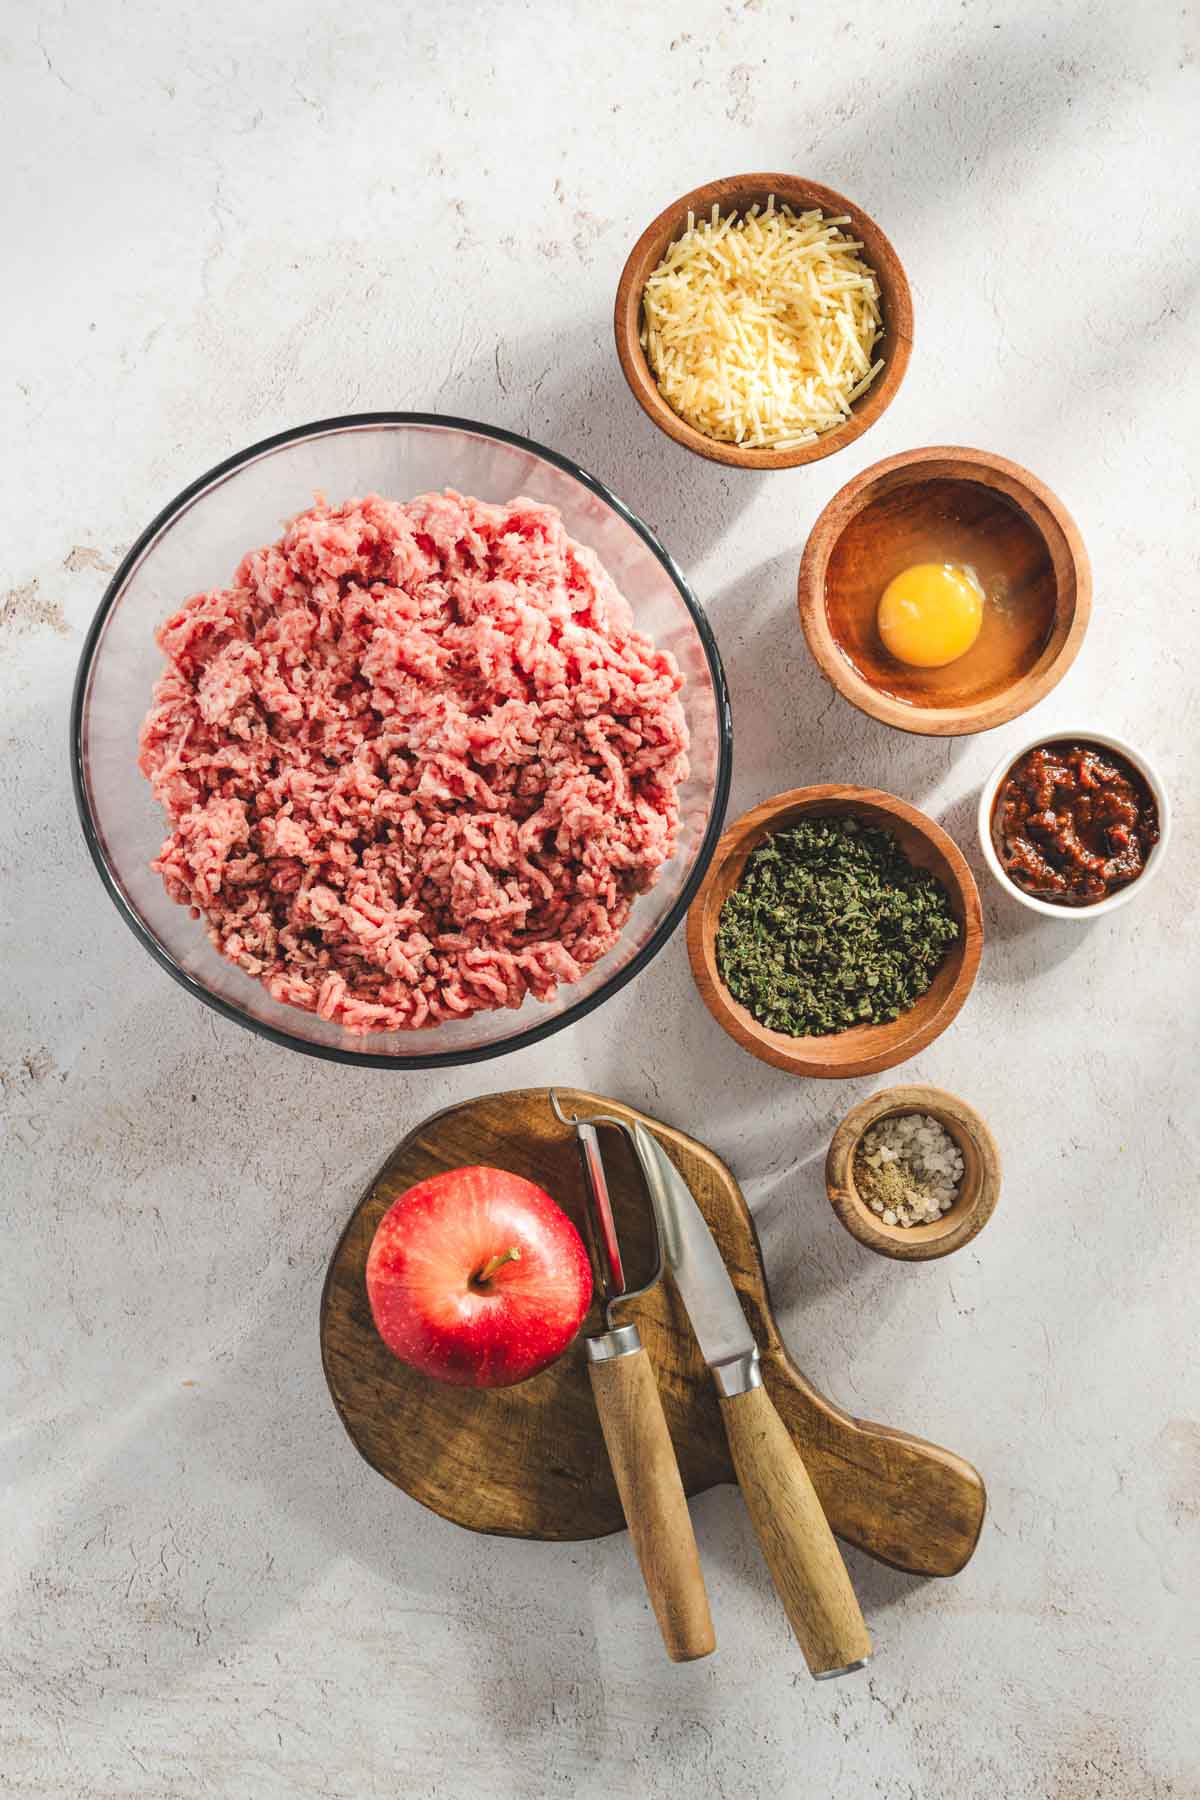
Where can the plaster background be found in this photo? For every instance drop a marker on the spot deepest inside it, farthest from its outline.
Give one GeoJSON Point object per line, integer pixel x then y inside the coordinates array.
{"type": "Point", "coordinates": [225, 220]}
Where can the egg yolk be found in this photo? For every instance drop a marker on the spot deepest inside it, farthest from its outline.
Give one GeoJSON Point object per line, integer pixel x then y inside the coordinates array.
{"type": "Point", "coordinates": [930, 615]}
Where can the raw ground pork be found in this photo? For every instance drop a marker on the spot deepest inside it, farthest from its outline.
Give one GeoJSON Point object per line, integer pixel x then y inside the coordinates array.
{"type": "Point", "coordinates": [417, 760]}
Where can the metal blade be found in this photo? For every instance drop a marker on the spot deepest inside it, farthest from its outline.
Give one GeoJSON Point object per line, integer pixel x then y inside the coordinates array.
{"type": "Point", "coordinates": [694, 1260]}
{"type": "Point", "coordinates": [599, 1211]}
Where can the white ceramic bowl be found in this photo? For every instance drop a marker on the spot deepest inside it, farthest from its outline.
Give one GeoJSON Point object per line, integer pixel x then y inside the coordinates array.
{"type": "Point", "coordinates": [1077, 914]}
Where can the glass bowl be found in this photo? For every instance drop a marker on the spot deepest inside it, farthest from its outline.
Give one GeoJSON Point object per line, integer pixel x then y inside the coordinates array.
{"type": "Point", "coordinates": [198, 541]}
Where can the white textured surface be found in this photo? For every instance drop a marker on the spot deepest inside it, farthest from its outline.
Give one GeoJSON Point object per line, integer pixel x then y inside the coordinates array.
{"type": "Point", "coordinates": [226, 219]}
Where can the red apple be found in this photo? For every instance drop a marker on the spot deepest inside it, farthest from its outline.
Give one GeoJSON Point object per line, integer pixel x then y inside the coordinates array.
{"type": "Point", "coordinates": [478, 1278]}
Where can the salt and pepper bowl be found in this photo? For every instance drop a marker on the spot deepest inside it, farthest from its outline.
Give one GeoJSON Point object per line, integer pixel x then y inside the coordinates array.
{"type": "Point", "coordinates": [978, 1190]}
{"type": "Point", "coordinates": [737, 193]}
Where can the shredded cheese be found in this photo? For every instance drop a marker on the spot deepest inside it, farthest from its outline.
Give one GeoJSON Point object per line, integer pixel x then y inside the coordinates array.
{"type": "Point", "coordinates": [760, 330]}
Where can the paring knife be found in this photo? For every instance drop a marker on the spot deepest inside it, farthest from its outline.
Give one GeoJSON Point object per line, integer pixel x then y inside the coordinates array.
{"type": "Point", "coordinates": [801, 1551]}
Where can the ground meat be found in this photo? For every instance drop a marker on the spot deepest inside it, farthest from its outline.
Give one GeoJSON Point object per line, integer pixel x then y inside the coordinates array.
{"type": "Point", "coordinates": [417, 760]}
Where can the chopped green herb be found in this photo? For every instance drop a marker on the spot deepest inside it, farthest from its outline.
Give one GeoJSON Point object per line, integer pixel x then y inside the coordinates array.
{"type": "Point", "coordinates": [831, 926]}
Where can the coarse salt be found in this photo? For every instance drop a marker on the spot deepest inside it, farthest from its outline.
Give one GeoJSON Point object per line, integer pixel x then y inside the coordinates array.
{"type": "Point", "coordinates": [908, 1168]}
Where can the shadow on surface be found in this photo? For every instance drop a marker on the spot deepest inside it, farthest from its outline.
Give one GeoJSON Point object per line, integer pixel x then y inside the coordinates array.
{"type": "Point", "coordinates": [781, 703]}
{"type": "Point", "coordinates": [564, 388]}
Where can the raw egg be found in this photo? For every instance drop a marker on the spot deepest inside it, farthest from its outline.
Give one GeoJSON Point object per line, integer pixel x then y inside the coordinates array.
{"type": "Point", "coordinates": [930, 615]}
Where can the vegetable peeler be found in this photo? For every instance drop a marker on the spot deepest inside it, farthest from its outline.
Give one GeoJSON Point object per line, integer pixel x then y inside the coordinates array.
{"type": "Point", "coordinates": [631, 1416]}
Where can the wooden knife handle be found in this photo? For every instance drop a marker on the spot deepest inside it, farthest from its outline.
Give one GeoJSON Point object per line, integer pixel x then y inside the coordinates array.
{"type": "Point", "coordinates": [801, 1551]}
{"type": "Point", "coordinates": [656, 1509]}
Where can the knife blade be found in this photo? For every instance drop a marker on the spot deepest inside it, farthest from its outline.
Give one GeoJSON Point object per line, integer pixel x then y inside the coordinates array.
{"type": "Point", "coordinates": [800, 1549]}
{"type": "Point", "coordinates": [695, 1262]}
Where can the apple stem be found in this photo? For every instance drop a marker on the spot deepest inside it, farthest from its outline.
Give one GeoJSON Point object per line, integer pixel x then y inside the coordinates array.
{"type": "Point", "coordinates": [512, 1254]}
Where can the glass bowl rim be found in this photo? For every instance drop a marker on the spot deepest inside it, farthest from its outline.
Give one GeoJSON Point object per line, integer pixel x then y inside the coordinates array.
{"type": "Point", "coordinates": [544, 1028]}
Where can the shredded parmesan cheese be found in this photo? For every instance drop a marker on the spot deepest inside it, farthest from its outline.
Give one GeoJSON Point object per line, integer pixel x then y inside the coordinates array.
{"type": "Point", "coordinates": [760, 330]}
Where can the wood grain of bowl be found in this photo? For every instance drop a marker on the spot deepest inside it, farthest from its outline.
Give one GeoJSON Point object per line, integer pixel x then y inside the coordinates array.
{"type": "Point", "coordinates": [981, 510]}
{"type": "Point", "coordinates": [863, 1049]}
{"type": "Point", "coordinates": [738, 192]}
{"type": "Point", "coordinates": [978, 1190]}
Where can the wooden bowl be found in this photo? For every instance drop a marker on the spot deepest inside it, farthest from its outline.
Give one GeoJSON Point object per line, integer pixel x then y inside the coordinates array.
{"type": "Point", "coordinates": [954, 505]}
{"type": "Point", "coordinates": [978, 1190]}
{"type": "Point", "coordinates": [737, 192]}
{"type": "Point", "coordinates": [863, 1049]}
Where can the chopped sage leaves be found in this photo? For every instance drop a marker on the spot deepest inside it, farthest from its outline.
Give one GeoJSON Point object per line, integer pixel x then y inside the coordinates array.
{"type": "Point", "coordinates": [831, 926]}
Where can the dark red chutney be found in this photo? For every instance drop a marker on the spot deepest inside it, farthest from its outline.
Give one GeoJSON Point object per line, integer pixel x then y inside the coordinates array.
{"type": "Point", "coordinates": [1073, 822]}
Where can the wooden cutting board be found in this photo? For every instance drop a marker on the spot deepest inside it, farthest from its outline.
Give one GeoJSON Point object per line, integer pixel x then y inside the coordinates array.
{"type": "Point", "coordinates": [529, 1461]}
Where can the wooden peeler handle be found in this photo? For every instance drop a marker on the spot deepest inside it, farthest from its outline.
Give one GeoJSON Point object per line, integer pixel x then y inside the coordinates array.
{"type": "Point", "coordinates": [801, 1551]}
{"type": "Point", "coordinates": [647, 1474]}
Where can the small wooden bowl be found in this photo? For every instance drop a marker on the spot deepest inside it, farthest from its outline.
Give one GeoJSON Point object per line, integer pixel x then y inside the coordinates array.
{"type": "Point", "coordinates": [977, 1194]}
{"type": "Point", "coordinates": [738, 192]}
{"type": "Point", "coordinates": [981, 510]}
{"type": "Point", "coordinates": [863, 1049]}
